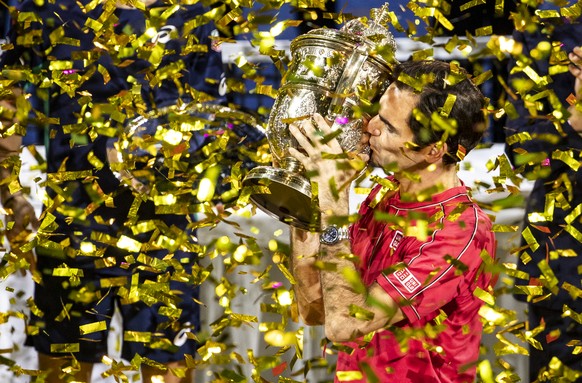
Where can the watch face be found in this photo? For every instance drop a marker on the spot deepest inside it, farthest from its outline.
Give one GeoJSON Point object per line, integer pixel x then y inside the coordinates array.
{"type": "Point", "coordinates": [330, 235]}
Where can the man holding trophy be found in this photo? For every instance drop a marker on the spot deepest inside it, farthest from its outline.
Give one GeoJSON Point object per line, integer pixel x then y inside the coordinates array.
{"type": "Point", "coordinates": [398, 288]}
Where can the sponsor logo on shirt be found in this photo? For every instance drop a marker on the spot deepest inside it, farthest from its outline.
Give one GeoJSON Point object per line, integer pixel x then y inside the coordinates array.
{"type": "Point", "coordinates": [406, 279]}
{"type": "Point", "coordinates": [396, 239]}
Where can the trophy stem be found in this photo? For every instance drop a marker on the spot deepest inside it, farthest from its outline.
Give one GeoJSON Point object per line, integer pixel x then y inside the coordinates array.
{"type": "Point", "coordinates": [293, 165]}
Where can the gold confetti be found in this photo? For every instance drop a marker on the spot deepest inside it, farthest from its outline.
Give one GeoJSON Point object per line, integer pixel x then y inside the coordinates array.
{"type": "Point", "coordinates": [92, 327]}
{"type": "Point", "coordinates": [65, 347]}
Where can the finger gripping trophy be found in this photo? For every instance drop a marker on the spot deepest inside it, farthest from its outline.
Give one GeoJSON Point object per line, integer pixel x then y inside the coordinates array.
{"type": "Point", "coordinates": [338, 74]}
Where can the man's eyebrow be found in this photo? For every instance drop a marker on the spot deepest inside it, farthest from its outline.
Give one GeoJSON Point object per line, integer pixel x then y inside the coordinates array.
{"type": "Point", "coordinates": [384, 120]}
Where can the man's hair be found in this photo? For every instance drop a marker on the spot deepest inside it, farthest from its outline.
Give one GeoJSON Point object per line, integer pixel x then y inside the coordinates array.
{"type": "Point", "coordinates": [450, 107]}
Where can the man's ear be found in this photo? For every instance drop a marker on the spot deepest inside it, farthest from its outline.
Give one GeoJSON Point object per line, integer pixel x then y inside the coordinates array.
{"type": "Point", "coordinates": [436, 152]}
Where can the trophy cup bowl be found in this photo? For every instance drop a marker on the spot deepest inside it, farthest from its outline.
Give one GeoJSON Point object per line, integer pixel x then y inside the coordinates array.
{"type": "Point", "coordinates": [330, 73]}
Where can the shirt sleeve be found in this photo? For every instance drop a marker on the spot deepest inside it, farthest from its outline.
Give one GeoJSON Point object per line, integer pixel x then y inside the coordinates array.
{"type": "Point", "coordinates": [440, 269]}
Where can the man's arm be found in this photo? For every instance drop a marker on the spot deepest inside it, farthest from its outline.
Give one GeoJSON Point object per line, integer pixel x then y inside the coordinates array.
{"type": "Point", "coordinates": [328, 297]}
{"type": "Point", "coordinates": [349, 309]}
{"type": "Point", "coordinates": [308, 293]}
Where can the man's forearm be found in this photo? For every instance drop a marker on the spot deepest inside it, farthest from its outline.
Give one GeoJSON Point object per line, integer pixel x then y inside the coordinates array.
{"type": "Point", "coordinates": [304, 254]}
{"type": "Point", "coordinates": [351, 308]}
{"type": "Point", "coordinates": [305, 250]}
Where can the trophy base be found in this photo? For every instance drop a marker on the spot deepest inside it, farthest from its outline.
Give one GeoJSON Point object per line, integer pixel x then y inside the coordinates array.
{"type": "Point", "coordinates": [284, 195]}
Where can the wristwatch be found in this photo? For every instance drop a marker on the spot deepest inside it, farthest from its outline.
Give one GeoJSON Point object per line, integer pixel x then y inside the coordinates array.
{"type": "Point", "coordinates": [333, 234]}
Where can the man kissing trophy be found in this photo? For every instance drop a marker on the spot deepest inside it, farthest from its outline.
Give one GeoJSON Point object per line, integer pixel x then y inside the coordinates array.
{"type": "Point", "coordinates": [338, 74]}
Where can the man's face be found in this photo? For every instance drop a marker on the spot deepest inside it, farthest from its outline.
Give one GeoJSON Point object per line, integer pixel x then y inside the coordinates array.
{"type": "Point", "coordinates": [389, 131]}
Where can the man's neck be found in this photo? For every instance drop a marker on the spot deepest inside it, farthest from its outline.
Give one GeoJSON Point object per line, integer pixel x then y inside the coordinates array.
{"type": "Point", "coordinates": [421, 181]}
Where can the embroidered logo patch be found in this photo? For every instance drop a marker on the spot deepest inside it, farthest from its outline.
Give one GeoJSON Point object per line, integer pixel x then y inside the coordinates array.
{"type": "Point", "coordinates": [396, 239]}
{"type": "Point", "coordinates": [407, 280]}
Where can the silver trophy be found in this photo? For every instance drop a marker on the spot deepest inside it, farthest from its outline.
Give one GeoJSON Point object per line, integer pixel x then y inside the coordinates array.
{"type": "Point", "coordinates": [338, 74]}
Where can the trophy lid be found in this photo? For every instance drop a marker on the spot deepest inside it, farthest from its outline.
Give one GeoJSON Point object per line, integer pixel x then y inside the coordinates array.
{"type": "Point", "coordinates": [374, 31]}
{"type": "Point", "coordinates": [371, 33]}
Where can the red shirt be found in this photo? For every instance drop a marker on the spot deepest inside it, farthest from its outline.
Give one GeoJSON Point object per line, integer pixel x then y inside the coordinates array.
{"type": "Point", "coordinates": [432, 273]}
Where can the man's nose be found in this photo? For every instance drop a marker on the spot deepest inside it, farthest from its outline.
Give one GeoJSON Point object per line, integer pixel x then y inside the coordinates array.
{"type": "Point", "coordinates": [369, 125]}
